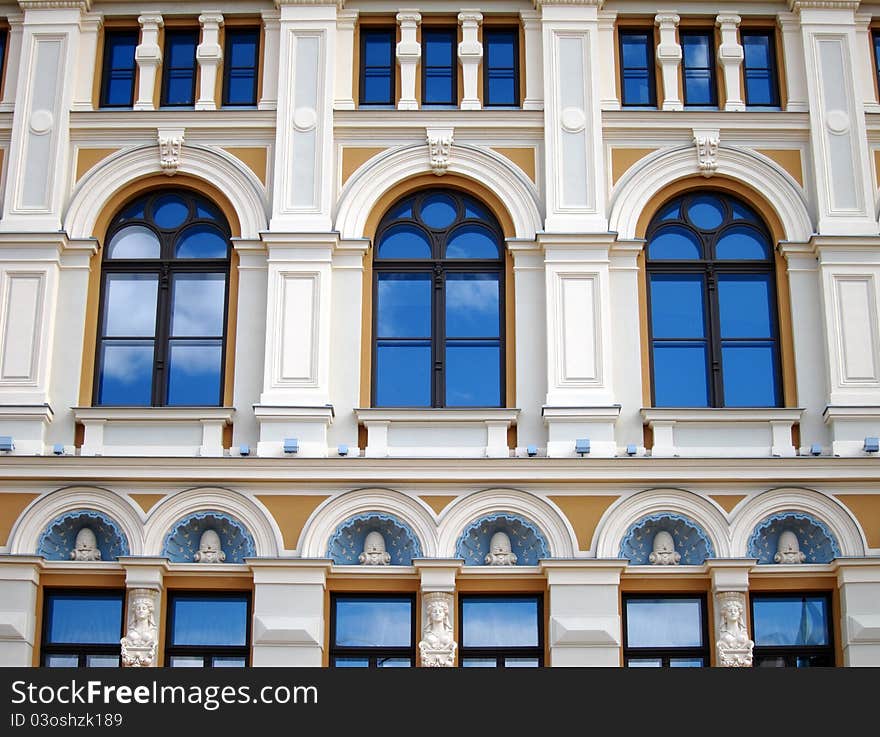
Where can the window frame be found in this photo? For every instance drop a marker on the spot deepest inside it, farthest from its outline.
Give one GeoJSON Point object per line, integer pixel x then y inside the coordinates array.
{"type": "Point", "coordinates": [364, 31]}
{"type": "Point", "coordinates": [372, 654]}
{"type": "Point", "coordinates": [651, 69]}
{"type": "Point", "coordinates": [713, 66]}
{"type": "Point", "coordinates": [106, 70]}
{"type": "Point", "coordinates": [772, 70]}
{"type": "Point", "coordinates": [209, 652]}
{"type": "Point", "coordinates": [501, 653]}
{"type": "Point", "coordinates": [171, 33]}
{"type": "Point", "coordinates": [487, 31]}
{"type": "Point", "coordinates": [81, 650]}
{"type": "Point", "coordinates": [227, 64]}
{"type": "Point", "coordinates": [665, 654]}
{"type": "Point", "coordinates": [791, 652]}
{"type": "Point", "coordinates": [453, 69]}
{"type": "Point", "coordinates": [875, 53]}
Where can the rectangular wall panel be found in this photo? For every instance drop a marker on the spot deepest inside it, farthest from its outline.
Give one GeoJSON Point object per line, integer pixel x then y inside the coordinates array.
{"type": "Point", "coordinates": [578, 325]}
{"type": "Point", "coordinates": [574, 158]}
{"type": "Point", "coordinates": [857, 328]}
{"type": "Point", "coordinates": [306, 122]}
{"type": "Point", "coordinates": [22, 322]}
{"type": "Point", "coordinates": [298, 329]}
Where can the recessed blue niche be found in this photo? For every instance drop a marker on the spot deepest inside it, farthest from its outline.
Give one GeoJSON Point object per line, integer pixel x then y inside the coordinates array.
{"type": "Point", "coordinates": [347, 541]}
{"type": "Point", "coordinates": [815, 540]}
{"type": "Point", "coordinates": [691, 542]}
{"type": "Point", "coordinates": [182, 542]}
{"type": "Point", "coordinates": [527, 542]}
{"type": "Point", "coordinates": [57, 541]}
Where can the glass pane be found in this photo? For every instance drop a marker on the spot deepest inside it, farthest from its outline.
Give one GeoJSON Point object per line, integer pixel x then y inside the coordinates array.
{"type": "Point", "coordinates": [136, 241]}
{"type": "Point", "coordinates": [473, 374]}
{"type": "Point", "coordinates": [393, 663]}
{"type": "Point", "coordinates": [180, 48]}
{"type": "Point", "coordinates": [229, 662]}
{"type": "Point", "coordinates": [404, 241]}
{"type": "Point", "coordinates": [351, 662]}
{"type": "Point", "coordinates": [241, 87]}
{"type": "Point", "coordinates": [180, 88]}
{"type": "Point", "coordinates": [814, 661]}
{"type": "Point", "coordinates": [770, 662]}
{"type": "Point", "coordinates": [741, 212]}
{"type": "Point", "coordinates": [757, 50]}
{"type": "Point", "coordinates": [472, 305]}
{"type": "Point", "coordinates": [241, 47]}
{"type": "Point", "coordinates": [677, 306]}
{"type": "Point", "coordinates": [697, 50]}
{"type": "Point", "coordinates": [403, 308]}
{"type": "Point", "coordinates": [401, 210]}
{"type": "Point", "coordinates": [644, 663]}
{"type": "Point", "coordinates": [377, 48]}
{"type": "Point", "coordinates": [403, 373]}
{"type": "Point", "coordinates": [438, 48]}
{"type": "Point", "coordinates": [207, 211]}
{"type": "Point", "coordinates": [501, 45]}
{"type": "Point", "coordinates": [670, 212]}
{"type": "Point", "coordinates": [194, 372]}
{"type": "Point", "coordinates": [170, 211]}
{"type": "Point", "coordinates": [745, 303]}
{"type": "Point", "coordinates": [674, 242]}
{"type": "Point", "coordinates": [119, 90]}
{"type": "Point", "coordinates": [634, 47]}
{"type": "Point", "coordinates": [760, 89]}
{"type": "Point", "coordinates": [749, 374]}
{"type": "Point", "coordinates": [102, 661]}
{"type": "Point", "coordinates": [479, 663]}
{"type": "Point", "coordinates": [94, 619]}
{"type": "Point", "coordinates": [186, 661]}
{"type": "Point", "coordinates": [362, 622]}
{"type": "Point", "coordinates": [472, 241]}
{"type": "Point", "coordinates": [685, 662]}
{"type": "Point", "coordinates": [698, 88]}
{"type": "Point", "coordinates": [521, 663]}
{"type": "Point", "coordinates": [201, 241]}
{"type": "Point", "coordinates": [197, 304]}
{"type": "Point", "coordinates": [742, 242]}
{"type": "Point", "coordinates": [507, 622]}
{"type": "Point", "coordinates": [62, 661]}
{"type": "Point", "coordinates": [473, 210]}
{"type": "Point", "coordinates": [121, 49]}
{"type": "Point", "coordinates": [636, 88]}
{"type": "Point", "coordinates": [664, 622]}
{"type": "Point", "coordinates": [680, 374]}
{"type": "Point", "coordinates": [706, 212]}
{"type": "Point", "coordinates": [790, 620]}
{"type": "Point", "coordinates": [204, 620]}
{"type": "Point", "coordinates": [126, 376]}
{"type": "Point", "coordinates": [130, 305]}
{"type": "Point", "coordinates": [438, 211]}
{"type": "Point", "coordinates": [377, 87]}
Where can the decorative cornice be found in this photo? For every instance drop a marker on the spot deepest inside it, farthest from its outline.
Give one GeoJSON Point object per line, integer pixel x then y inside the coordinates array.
{"type": "Point", "coordinates": [797, 5]}
{"type": "Point", "coordinates": [584, 3]}
{"type": "Point", "coordinates": [83, 5]}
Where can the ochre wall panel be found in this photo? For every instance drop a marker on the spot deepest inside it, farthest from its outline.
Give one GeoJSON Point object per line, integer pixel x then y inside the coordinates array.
{"type": "Point", "coordinates": [291, 513]}
{"type": "Point", "coordinates": [584, 513]}
{"type": "Point", "coordinates": [866, 508]}
{"type": "Point", "coordinates": [11, 507]}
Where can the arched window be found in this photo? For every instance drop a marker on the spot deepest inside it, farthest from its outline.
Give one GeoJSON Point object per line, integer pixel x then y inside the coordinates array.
{"type": "Point", "coordinates": [162, 320]}
{"type": "Point", "coordinates": [439, 304]}
{"type": "Point", "coordinates": [712, 305]}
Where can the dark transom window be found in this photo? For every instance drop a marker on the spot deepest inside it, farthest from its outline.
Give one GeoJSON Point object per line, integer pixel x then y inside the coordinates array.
{"type": "Point", "coordinates": [208, 630]}
{"type": "Point", "coordinates": [81, 628]}
{"type": "Point", "coordinates": [637, 75]}
{"type": "Point", "coordinates": [162, 322]}
{"type": "Point", "coordinates": [179, 70]}
{"type": "Point", "coordinates": [117, 82]}
{"type": "Point", "coordinates": [501, 62]}
{"type": "Point", "coordinates": [665, 631]}
{"type": "Point", "coordinates": [759, 68]}
{"type": "Point", "coordinates": [501, 631]}
{"type": "Point", "coordinates": [377, 66]}
{"type": "Point", "coordinates": [372, 631]}
{"type": "Point", "coordinates": [698, 68]}
{"type": "Point", "coordinates": [712, 305]}
{"type": "Point", "coordinates": [439, 304]}
{"type": "Point", "coordinates": [439, 80]}
{"type": "Point", "coordinates": [792, 630]}
{"type": "Point", "coordinates": [242, 61]}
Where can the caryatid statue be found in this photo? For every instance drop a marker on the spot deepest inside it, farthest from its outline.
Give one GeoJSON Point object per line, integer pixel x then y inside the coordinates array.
{"type": "Point", "coordinates": [664, 553]}
{"type": "Point", "coordinates": [437, 646]}
{"type": "Point", "coordinates": [374, 551]}
{"type": "Point", "coordinates": [139, 643]}
{"type": "Point", "coordinates": [789, 549]}
{"type": "Point", "coordinates": [209, 548]}
{"type": "Point", "coordinates": [734, 646]}
{"type": "Point", "coordinates": [500, 553]}
{"type": "Point", "coordinates": [85, 547]}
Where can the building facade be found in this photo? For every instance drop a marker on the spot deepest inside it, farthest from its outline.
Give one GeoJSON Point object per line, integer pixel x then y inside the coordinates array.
{"type": "Point", "coordinates": [335, 334]}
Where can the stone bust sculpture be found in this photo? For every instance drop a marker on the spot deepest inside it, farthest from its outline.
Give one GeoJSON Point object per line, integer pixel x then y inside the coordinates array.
{"type": "Point", "coordinates": [664, 553]}
{"type": "Point", "coordinates": [85, 546]}
{"type": "Point", "coordinates": [500, 553]}
{"type": "Point", "coordinates": [139, 643]}
{"type": "Point", "coordinates": [374, 551]}
{"type": "Point", "coordinates": [734, 646]}
{"type": "Point", "coordinates": [209, 548]}
{"type": "Point", "coordinates": [437, 647]}
{"type": "Point", "coordinates": [789, 549]}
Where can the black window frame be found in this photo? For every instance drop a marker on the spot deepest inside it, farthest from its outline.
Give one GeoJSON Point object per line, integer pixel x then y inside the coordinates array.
{"type": "Point", "coordinates": [772, 70]}
{"type": "Point", "coordinates": [81, 650]}
{"type": "Point", "coordinates": [365, 31]}
{"type": "Point", "coordinates": [651, 69]}
{"type": "Point", "coordinates": [372, 654]}
{"type": "Point", "coordinates": [165, 267]}
{"type": "Point", "coordinates": [170, 35]}
{"type": "Point", "coordinates": [665, 654]}
{"type": "Point", "coordinates": [453, 30]}
{"type": "Point", "coordinates": [501, 653]}
{"type": "Point", "coordinates": [488, 31]}
{"type": "Point", "coordinates": [709, 268]}
{"type": "Point", "coordinates": [4, 52]}
{"type": "Point", "coordinates": [875, 49]}
{"type": "Point", "coordinates": [228, 34]}
{"type": "Point", "coordinates": [440, 267]}
{"type": "Point", "coordinates": [713, 70]}
{"type": "Point", "coordinates": [107, 70]}
{"type": "Point", "coordinates": [790, 653]}
{"type": "Point", "coordinates": [209, 652]}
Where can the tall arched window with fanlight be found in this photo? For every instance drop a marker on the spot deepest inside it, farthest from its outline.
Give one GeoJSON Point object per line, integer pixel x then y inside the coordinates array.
{"type": "Point", "coordinates": [713, 325]}
{"type": "Point", "coordinates": [162, 319]}
{"type": "Point", "coordinates": [438, 322]}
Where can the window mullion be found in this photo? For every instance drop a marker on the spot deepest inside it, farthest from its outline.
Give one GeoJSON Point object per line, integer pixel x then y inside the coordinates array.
{"type": "Point", "coordinates": [438, 343]}
{"type": "Point", "coordinates": [162, 349]}
{"type": "Point", "coordinates": [714, 338]}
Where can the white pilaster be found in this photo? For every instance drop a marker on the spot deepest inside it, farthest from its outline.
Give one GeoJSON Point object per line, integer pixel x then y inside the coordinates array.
{"type": "Point", "coordinates": [148, 56]}
{"type": "Point", "coordinates": [343, 98]}
{"type": "Point", "coordinates": [608, 71]}
{"type": "Point", "coordinates": [409, 52]}
{"type": "Point", "coordinates": [730, 59]}
{"type": "Point", "coordinates": [144, 582]}
{"type": "Point", "coordinates": [19, 581]}
{"type": "Point", "coordinates": [534, 87]}
{"type": "Point", "coordinates": [470, 54]}
{"type": "Point", "coordinates": [209, 56]}
{"type": "Point", "coordinates": [865, 64]}
{"type": "Point", "coordinates": [669, 59]}
{"type": "Point", "coordinates": [795, 69]}
{"type": "Point", "coordinates": [437, 588]}
{"type": "Point", "coordinates": [90, 29]}
{"type": "Point", "coordinates": [858, 583]}
{"type": "Point", "coordinates": [730, 586]}
{"type": "Point", "coordinates": [13, 61]}
{"type": "Point", "coordinates": [271, 42]}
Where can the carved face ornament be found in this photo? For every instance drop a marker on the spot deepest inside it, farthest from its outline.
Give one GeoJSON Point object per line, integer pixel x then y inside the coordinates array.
{"type": "Point", "coordinates": [663, 553]}
{"type": "Point", "coordinates": [500, 552]}
{"type": "Point", "coordinates": [374, 551]}
{"type": "Point", "coordinates": [85, 546]}
{"type": "Point", "coordinates": [789, 549]}
{"type": "Point", "coordinates": [209, 548]}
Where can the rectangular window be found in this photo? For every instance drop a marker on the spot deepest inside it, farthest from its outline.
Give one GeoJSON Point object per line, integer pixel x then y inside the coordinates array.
{"type": "Point", "coordinates": [242, 59]}
{"type": "Point", "coordinates": [501, 631]}
{"type": "Point", "coordinates": [792, 630]}
{"type": "Point", "coordinates": [372, 631]}
{"type": "Point", "coordinates": [759, 68]}
{"type": "Point", "coordinates": [698, 68]}
{"type": "Point", "coordinates": [501, 67]}
{"type": "Point", "coordinates": [665, 631]}
{"type": "Point", "coordinates": [117, 80]}
{"type": "Point", "coordinates": [81, 628]}
{"type": "Point", "coordinates": [377, 66]}
{"type": "Point", "coordinates": [439, 78]}
{"type": "Point", "coordinates": [208, 630]}
{"type": "Point", "coordinates": [637, 78]}
{"type": "Point", "coordinates": [875, 37]}
{"type": "Point", "coordinates": [179, 73]}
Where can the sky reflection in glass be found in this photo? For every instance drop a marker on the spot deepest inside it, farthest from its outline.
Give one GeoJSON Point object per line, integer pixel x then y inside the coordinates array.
{"type": "Point", "coordinates": [495, 622]}
{"type": "Point", "coordinates": [373, 622]}
{"type": "Point", "coordinates": [664, 622]}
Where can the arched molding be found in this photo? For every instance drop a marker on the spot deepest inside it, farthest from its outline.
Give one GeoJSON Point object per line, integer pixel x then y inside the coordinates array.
{"type": "Point", "coordinates": [60, 537]}
{"type": "Point", "coordinates": [637, 547]}
{"type": "Point", "coordinates": [247, 511]}
{"type": "Point", "coordinates": [42, 512]}
{"type": "Point", "coordinates": [183, 540]}
{"type": "Point", "coordinates": [219, 169]}
{"type": "Point", "coordinates": [401, 543]}
{"type": "Point", "coordinates": [621, 517]}
{"type": "Point", "coordinates": [836, 518]}
{"type": "Point", "coordinates": [659, 170]}
{"type": "Point", "coordinates": [556, 529]}
{"type": "Point", "coordinates": [369, 183]}
{"type": "Point", "coordinates": [528, 542]}
{"type": "Point", "coordinates": [336, 511]}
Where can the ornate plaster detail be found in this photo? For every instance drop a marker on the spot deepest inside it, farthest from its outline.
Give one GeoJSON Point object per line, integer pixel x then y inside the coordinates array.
{"type": "Point", "coordinates": [814, 541]}
{"type": "Point", "coordinates": [663, 552]}
{"type": "Point", "coordinates": [170, 144]}
{"type": "Point", "coordinates": [351, 541]}
{"type": "Point", "coordinates": [798, 5]}
{"type": "Point", "coordinates": [188, 539]}
{"type": "Point", "coordinates": [789, 549]}
{"type": "Point", "coordinates": [437, 646]}
{"type": "Point", "coordinates": [525, 543]}
{"type": "Point", "coordinates": [640, 543]}
{"type": "Point", "coordinates": [707, 143]}
{"type": "Point", "coordinates": [86, 546]}
{"type": "Point", "coordinates": [440, 142]}
{"type": "Point", "coordinates": [62, 537]}
{"type": "Point", "coordinates": [500, 553]}
{"type": "Point", "coordinates": [209, 548]}
{"type": "Point", "coordinates": [142, 633]}
{"type": "Point", "coordinates": [734, 646]}
{"type": "Point", "coordinates": [374, 551]}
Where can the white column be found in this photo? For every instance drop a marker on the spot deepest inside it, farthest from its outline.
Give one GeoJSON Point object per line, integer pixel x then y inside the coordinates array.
{"type": "Point", "coordinates": [437, 588]}
{"type": "Point", "coordinates": [148, 56]}
{"type": "Point", "coordinates": [730, 59]}
{"type": "Point", "coordinates": [470, 54]}
{"type": "Point", "coordinates": [409, 52]}
{"type": "Point", "coordinates": [858, 583]}
{"type": "Point", "coordinates": [865, 65]}
{"type": "Point", "coordinates": [585, 623]}
{"type": "Point", "coordinates": [534, 84]}
{"type": "Point", "coordinates": [209, 56]}
{"type": "Point", "coordinates": [271, 26]}
{"type": "Point", "coordinates": [730, 587]}
{"type": "Point", "coordinates": [288, 619]}
{"type": "Point", "coordinates": [141, 645]}
{"type": "Point", "coordinates": [19, 581]}
{"type": "Point", "coordinates": [669, 59]}
{"type": "Point", "coordinates": [13, 61]}
{"type": "Point", "coordinates": [795, 70]}
{"type": "Point", "coordinates": [90, 29]}
{"type": "Point", "coordinates": [343, 98]}
{"type": "Point", "coordinates": [608, 71]}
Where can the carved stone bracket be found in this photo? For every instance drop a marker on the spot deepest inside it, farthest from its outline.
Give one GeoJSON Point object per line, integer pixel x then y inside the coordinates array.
{"type": "Point", "coordinates": [170, 144]}
{"type": "Point", "coordinates": [437, 647]}
{"type": "Point", "coordinates": [733, 646]}
{"type": "Point", "coordinates": [707, 143]}
{"type": "Point", "coordinates": [142, 629]}
{"type": "Point", "coordinates": [440, 142]}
